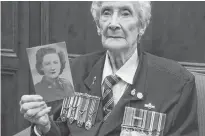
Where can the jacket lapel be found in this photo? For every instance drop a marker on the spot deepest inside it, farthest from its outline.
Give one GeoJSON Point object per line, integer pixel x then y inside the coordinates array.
{"type": "Point", "coordinates": [93, 80]}
{"type": "Point", "coordinates": [91, 86]}
{"type": "Point", "coordinates": [116, 117]}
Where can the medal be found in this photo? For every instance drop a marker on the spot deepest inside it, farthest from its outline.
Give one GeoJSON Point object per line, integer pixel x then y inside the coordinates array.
{"type": "Point", "coordinates": [70, 106]}
{"type": "Point", "coordinates": [143, 122]}
{"type": "Point", "coordinates": [73, 109]}
{"type": "Point", "coordinates": [83, 111]}
{"type": "Point", "coordinates": [79, 104]}
{"type": "Point", "coordinates": [88, 123]}
{"type": "Point", "coordinates": [80, 107]}
{"type": "Point", "coordinates": [64, 109]}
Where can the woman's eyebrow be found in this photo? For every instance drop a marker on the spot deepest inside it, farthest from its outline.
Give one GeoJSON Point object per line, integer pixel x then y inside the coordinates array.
{"type": "Point", "coordinates": [123, 7]}
{"type": "Point", "coordinates": [126, 8]}
{"type": "Point", "coordinates": [106, 7]}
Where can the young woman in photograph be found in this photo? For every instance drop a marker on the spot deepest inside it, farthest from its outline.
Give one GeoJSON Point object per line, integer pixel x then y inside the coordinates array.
{"type": "Point", "coordinates": [50, 63]}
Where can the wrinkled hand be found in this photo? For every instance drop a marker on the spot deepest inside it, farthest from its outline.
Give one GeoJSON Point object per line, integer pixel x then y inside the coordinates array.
{"type": "Point", "coordinates": [36, 111]}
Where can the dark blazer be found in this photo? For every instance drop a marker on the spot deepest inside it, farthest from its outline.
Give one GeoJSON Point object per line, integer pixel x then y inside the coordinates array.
{"type": "Point", "coordinates": [164, 83]}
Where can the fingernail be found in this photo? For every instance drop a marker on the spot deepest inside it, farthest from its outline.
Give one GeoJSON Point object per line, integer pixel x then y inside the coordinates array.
{"type": "Point", "coordinates": [49, 108]}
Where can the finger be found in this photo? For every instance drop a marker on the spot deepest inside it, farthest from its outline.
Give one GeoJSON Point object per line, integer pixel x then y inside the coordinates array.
{"type": "Point", "coordinates": [43, 120]}
{"type": "Point", "coordinates": [43, 112]}
{"type": "Point", "coordinates": [32, 112]}
{"type": "Point", "coordinates": [30, 98]}
{"type": "Point", "coordinates": [32, 120]}
{"type": "Point", "coordinates": [26, 117]}
{"type": "Point", "coordinates": [31, 105]}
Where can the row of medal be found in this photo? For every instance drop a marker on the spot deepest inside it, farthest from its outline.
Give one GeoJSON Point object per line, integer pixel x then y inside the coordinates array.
{"type": "Point", "coordinates": [81, 108]}
{"type": "Point", "coordinates": [142, 122]}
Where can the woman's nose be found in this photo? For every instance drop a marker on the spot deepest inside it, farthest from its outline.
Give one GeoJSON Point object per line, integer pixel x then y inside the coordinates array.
{"type": "Point", "coordinates": [52, 67]}
{"type": "Point", "coordinates": [114, 23]}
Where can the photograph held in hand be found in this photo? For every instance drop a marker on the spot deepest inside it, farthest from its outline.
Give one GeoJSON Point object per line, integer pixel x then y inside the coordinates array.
{"type": "Point", "coordinates": [50, 71]}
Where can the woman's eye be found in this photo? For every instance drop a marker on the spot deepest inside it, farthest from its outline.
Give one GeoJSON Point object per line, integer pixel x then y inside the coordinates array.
{"type": "Point", "coordinates": [55, 62]}
{"type": "Point", "coordinates": [106, 12]}
{"type": "Point", "coordinates": [126, 13]}
{"type": "Point", "coordinates": [47, 63]}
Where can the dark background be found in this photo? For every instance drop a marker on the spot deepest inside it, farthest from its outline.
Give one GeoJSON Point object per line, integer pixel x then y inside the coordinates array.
{"type": "Point", "coordinates": [177, 31]}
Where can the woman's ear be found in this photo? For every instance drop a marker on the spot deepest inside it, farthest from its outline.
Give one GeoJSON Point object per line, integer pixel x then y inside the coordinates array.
{"type": "Point", "coordinates": [98, 31]}
{"type": "Point", "coordinates": [141, 32]}
{"type": "Point", "coordinates": [98, 27]}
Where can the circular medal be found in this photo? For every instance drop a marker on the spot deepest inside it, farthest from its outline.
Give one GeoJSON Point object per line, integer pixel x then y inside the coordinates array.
{"type": "Point", "coordinates": [63, 118]}
{"type": "Point", "coordinates": [139, 95]}
{"type": "Point", "coordinates": [71, 119]}
{"type": "Point", "coordinates": [88, 124]}
{"type": "Point", "coordinates": [133, 92]}
{"type": "Point", "coordinates": [79, 123]}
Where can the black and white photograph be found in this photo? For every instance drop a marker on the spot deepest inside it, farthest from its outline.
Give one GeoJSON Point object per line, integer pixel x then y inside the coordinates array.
{"type": "Point", "coordinates": [50, 71]}
{"type": "Point", "coordinates": [103, 68]}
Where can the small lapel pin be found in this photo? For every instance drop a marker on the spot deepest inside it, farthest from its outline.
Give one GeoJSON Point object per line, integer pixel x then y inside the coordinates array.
{"type": "Point", "coordinates": [149, 106]}
{"type": "Point", "coordinates": [133, 92]}
{"type": "Point", "coordinates": [139, 95]}
{"type": "Point", "coordinates": [94, 79]}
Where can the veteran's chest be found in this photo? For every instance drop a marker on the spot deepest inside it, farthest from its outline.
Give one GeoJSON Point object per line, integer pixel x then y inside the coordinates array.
{"type": "Point", "coordinates": [135, 112]}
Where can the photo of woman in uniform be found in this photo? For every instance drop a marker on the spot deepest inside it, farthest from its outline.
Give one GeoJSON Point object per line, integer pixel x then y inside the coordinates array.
{"type": "Point", "coordinates": [50, 63]}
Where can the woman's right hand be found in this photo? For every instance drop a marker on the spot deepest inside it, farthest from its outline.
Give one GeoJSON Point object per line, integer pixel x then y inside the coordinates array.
{"type": "Point", "coordinates": [36, 111]}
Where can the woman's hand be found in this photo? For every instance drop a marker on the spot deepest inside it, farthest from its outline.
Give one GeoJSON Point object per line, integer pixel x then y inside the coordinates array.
{"type": "Point", "coordinates": [36, 111]}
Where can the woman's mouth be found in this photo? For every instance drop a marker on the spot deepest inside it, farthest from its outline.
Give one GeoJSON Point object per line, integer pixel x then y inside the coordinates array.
{"type": "Point", "coordinates": [53, 72]}
{"type": "Point", "coordinates": [114, 37]}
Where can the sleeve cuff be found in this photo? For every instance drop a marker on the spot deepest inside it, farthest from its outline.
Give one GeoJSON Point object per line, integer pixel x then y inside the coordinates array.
{"type": "Point", "coordinates": [36, 131]}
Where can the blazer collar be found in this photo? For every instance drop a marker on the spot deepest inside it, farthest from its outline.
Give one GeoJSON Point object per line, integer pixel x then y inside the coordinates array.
{"type": "Point", "coordinates": [139, 86]}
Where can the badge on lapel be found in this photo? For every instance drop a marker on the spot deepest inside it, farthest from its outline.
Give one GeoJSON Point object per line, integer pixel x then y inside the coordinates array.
{"type": "Point", "coordinates": [81, 108]}
{"type": "Point", "coordinates": [142, 122]}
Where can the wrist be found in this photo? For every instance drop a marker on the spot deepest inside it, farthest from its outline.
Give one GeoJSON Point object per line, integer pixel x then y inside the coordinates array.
{"type": "Point", "coordinates": [43, 129]}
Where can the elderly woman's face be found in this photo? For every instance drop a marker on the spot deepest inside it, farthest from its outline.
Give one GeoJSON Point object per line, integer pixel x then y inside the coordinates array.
{"type": "Point", "coordinates": [51, 65]}
{"type": "Point", "coordinates": [119, 25]}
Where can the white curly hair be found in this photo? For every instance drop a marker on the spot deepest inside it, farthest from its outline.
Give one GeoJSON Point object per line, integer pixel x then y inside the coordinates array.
{"type": "Point", "coordinates": [143, 8]}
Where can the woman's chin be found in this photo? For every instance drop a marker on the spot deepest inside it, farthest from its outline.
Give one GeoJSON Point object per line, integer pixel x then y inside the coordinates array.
{"type": "Point", "coordinates": [115, 45]}
{"type": "Point", "coordinates": [52, 77]}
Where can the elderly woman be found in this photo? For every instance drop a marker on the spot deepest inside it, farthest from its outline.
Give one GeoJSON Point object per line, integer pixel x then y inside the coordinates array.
{"type": "Point", "coordinates": [141, 94]}
{"type": "Point", "coordinates": [50, 63]}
